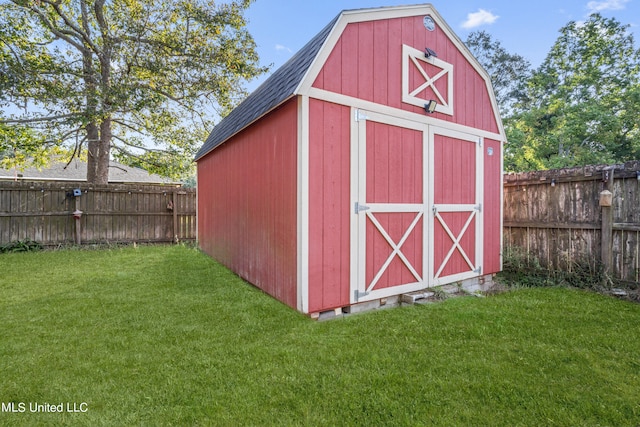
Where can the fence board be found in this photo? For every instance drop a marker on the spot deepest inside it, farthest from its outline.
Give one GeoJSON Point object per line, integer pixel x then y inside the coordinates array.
{"type": "Point", "coordinates": [42, 211]}
{"type": "Point", "coordinates": [555, 216]}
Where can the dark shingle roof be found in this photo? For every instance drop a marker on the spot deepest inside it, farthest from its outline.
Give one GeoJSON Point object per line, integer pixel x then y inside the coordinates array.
{"type": "Point", "coordinates": [274, 91]}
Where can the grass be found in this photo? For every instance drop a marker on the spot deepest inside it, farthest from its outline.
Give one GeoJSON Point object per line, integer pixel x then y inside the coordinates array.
{"type": "Point", "coordinates": [166, 336]}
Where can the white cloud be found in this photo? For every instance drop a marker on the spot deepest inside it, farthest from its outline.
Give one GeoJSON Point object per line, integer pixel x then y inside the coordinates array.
{"type": "Point", "coordinates": [599, 6]}
{"type": "Point", "coordinates": [280, 48]}
{"type": "Point", "coordinates": [481, 17]}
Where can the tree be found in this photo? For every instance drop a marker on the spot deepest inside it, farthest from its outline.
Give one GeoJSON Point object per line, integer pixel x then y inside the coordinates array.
{"type": "Point", "coordinates": [18, 144]}
{"type": "Point", "coordinates": [143, 77]}
{"type": "Point", "coordinates": [582, 103]}
{"type": "Point", "coordinates": [508, 72]}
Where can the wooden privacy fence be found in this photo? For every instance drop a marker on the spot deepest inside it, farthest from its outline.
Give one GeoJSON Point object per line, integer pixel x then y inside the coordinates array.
{"type": "Point", "coordinates": [44, 212]}
{"type": "Point", "coordinates": [562, 218]}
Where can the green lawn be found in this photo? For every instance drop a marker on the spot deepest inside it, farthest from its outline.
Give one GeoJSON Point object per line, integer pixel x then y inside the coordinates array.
{"type": "Point", "coordinates": [165, 336]}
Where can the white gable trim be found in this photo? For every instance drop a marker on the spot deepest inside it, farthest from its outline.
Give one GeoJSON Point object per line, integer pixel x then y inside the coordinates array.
{"type": "Point", "coordinates": [362, 104]}
{"type": "Point", "coordinates": [364, 15]}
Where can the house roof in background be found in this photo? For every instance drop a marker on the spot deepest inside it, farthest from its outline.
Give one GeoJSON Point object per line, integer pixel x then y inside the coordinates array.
{"type": "Point", "coordinates": [77, 171]}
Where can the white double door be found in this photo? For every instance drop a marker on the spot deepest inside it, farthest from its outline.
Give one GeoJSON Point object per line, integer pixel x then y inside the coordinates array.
{"type": "Point", "coordinates": [416, 197]}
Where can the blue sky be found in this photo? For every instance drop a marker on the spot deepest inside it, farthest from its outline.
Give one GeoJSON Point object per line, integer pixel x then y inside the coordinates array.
{"type": "Point", "coordinates": [528, 28]}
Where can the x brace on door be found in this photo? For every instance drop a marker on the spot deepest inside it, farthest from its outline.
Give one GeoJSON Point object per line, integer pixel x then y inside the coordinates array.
{"type": "Point", "coordinates": [454, 239]}
{"type": "Point", "coordinates": [396, 249]}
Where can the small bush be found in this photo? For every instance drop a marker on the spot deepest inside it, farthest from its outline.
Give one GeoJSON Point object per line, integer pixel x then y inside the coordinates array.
{"type": "Point", "coordinates": [21, 246]}
{"type": "Point", "coordinates": [523, 270]}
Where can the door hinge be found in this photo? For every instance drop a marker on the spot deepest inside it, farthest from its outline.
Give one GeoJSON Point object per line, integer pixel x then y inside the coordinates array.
{"type": "Point", "coordinates": [478, 207]}
{"type": "Point", "coordinates": [434, 209]}
{"type": "Point", "coordinates": [360, 115]}
{"type": "Point", "coordinates": [359, 208]}
{"type": "Point", "coordinates": [480, 142]}
{"type": "Point", "coordinates": [478, 270]}
{"type": "Point", "coordinates": [357, 294]}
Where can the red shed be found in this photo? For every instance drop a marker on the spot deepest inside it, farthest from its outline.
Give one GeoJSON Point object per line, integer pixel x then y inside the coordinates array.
{"type": "Point", "coordinates": [366, 167]}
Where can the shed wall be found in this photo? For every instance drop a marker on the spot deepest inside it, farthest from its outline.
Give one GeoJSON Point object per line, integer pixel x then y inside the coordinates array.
{"type": "Point", "coordinates": [492, 206]}
{"type": "Point", "coordinates": [247, 198]}
{"type": "Point", "coordinates": [329, 205]}
{"type": "Point", "coordinates": [366, 63]}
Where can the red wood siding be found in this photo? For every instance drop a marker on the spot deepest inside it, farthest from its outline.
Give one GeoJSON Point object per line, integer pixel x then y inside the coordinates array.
{"type": "Point", "coordinates": [455, 171]}
{"type": "Point", "coordinates": [394, 175]}
{"type": "Point", "coordinates": [366, 63]}
{"type": "Point", "coordinates": [247, 203]}
{"type": "Point", "coordinates": [394, 164]}
{"type": "Point", "coordinates": [329, 205]}
{"type": "Point", "coordinates": [492, 206]}
{"type": "Point", "coordinates": [454, 183]}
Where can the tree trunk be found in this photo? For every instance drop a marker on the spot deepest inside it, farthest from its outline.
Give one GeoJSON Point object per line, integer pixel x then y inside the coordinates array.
{"type": "Point", "coordinates": [96, 172]}
{"type": "Point", "coordinates": [104, 149]}
{"type": "Point", "coordinates": [104, 146]}
{"type": "Point", "coordinates": [99, 148]}
{"type": "Point", "coordinates": [93, 142]}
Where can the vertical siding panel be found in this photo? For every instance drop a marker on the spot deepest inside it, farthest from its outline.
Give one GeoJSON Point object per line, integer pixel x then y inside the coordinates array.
{"type": "Point", "coordinates": [345, 205]}
{"type": "Point", "coordinates": [329, 233]}
{"type": "Point", "coordinates": [288, 217]}
{"type": "Point", "coordinates": [316, 213]}
{"type": "Point", "coordinates": [350, 53]}
{"type": "Point", "coordinates": [380, 57]}
{"type": "Point", "coordinates": [334, 206]}
{"type": "Point", "coordinates": [492, 207]}
{"type": "Point", "coordinates": [394, 64]}
{"type": "Point", "coordinates": [407, 38]}
{"type": "Point", "coordinates": [366, 54]}
{"type": "Point", "coordinates": [420, 37]}
{"type": "Point", "coordinates": [475, 110]}
{"type": "Point", "coordinates": [247, 206]}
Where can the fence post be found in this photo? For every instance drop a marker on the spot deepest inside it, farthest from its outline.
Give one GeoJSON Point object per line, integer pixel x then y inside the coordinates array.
{"type": "Point", "coordinates": [77, 215]}
{"type": "Point", "coordinates": [175, 216]}
{"type": "Point", "coordinates": [606, 202]}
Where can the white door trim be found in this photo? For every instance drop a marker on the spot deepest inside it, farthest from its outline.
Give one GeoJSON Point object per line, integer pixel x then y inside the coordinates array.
{"type": "Point", "coordinates": [474, 209]}
{"type": "Point", "coordinates": [361, 291]}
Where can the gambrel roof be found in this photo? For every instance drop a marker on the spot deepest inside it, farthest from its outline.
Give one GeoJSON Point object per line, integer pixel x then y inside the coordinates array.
{"type": "Point", "coordinates": [297, 74]}
{"type": "Point", "coordinates": [279, 87]}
